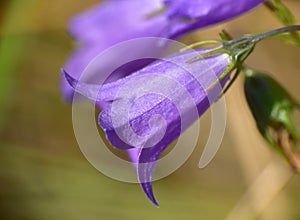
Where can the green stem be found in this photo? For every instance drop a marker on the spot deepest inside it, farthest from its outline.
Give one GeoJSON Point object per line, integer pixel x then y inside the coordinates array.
{"type": "Point", "coordinates": [285, 16]}
{"type": "Point", "coordinates": [276, 32]}
{"type": "Point", "coordinates": [238, 49]}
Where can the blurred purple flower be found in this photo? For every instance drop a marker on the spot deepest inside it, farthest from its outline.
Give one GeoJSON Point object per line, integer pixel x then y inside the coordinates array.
{"type": "Point", "coordinates": [150, 108]}
{"type": "Point", "coordinates": [115, 21]}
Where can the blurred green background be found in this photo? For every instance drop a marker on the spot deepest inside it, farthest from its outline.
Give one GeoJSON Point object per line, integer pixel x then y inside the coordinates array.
{"type": "Point", "coordinates": [43, 174]}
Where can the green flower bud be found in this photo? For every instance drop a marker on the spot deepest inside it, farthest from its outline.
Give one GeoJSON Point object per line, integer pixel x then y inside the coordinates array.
{"type": "Point", "coordinates": [271, 105]}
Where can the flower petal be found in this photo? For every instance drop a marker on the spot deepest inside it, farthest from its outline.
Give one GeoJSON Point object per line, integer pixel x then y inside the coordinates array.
{"type": "Point", "coordinates": [144, 108]}
{"type": "Point", "coordinates": [100, 28]}
{"type": "Point", "coordinates": [114, 21]}
{"type": "Point", "coordinates": [150, 108]}
{"type": "Point", "coordinates": [194, 14]}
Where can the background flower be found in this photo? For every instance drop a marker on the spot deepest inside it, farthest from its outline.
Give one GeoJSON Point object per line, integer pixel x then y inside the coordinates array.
{"type": "Point", "coordinates": [115, 21]}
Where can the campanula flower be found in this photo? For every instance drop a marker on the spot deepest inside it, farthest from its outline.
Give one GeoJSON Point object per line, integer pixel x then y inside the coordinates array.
{"type": "Point", "coordinates": [272, 106]}
{"type": "Point", "coordinates": [148, 109]}
{"type": "Point", "coordinates": [115, 21]}
{"type": "Point", "coordinates": [151, 107]}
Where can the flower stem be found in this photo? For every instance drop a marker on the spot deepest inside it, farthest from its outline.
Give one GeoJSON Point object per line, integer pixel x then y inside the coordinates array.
{"type": "Point", "coordinates": [276, 32]}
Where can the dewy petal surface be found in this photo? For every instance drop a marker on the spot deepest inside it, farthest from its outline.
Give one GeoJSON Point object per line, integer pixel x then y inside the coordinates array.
{"type": "Point", "coordinates": [115, 21]}
{"type": "Point", "coordinates": [153, 106]}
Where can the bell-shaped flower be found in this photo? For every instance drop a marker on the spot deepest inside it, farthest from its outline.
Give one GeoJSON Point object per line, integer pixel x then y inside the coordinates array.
{"type": "Point", "coordinates": [272, 106]}
{"type": "Point", "coordinates": [115, 21]}
{"type": "Point", "coordinates": [150, 108]}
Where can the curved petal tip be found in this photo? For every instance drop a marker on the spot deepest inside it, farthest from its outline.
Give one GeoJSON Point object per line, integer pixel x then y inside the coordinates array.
{"type": "Point", "coordinates": [147, 188]}
{"type": "Point", "coordinates": [73, 82]}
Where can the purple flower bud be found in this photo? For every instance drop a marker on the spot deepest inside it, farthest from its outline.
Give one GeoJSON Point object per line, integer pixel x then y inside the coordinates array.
{"type": "Point", "coordinates": [150, 108]}
{"type": "Point", "coordinates": [115, 21]}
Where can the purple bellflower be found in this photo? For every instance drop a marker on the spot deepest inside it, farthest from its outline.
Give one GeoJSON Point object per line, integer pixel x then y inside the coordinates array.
{"type": "Point", "coordinates": [115, 21]}
{"type": "Point", "coordinates": [150, 108]}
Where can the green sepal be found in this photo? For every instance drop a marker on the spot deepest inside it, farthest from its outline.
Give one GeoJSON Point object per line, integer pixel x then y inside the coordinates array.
{"type": "Point", "coordinates": [238, 50]}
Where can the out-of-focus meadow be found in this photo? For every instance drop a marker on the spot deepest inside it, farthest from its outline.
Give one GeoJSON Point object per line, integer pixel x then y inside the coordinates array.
{"type": "Point", "coordinates": [43, 174]}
